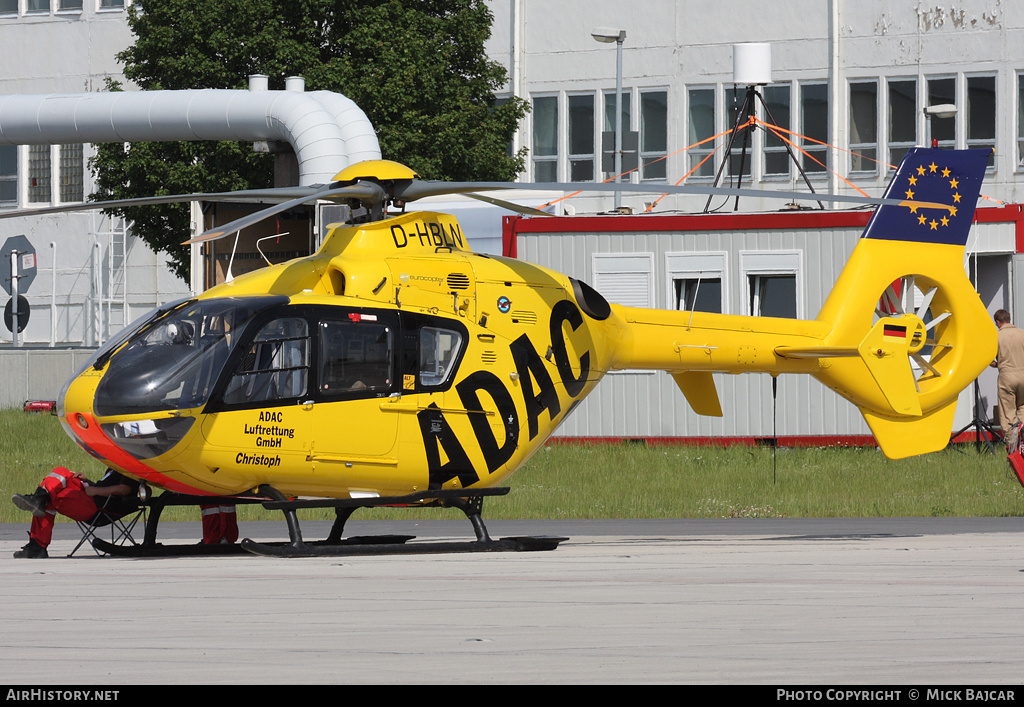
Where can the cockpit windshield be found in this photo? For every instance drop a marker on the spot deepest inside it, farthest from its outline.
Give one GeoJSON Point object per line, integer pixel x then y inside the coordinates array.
{"type": "Point", "coordinates": [174, 363]}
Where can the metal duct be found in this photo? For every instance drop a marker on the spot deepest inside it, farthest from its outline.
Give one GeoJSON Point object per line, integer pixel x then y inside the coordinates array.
{"type": "Point", "coordinates": [320, 142]}
{"type": "Point", "coordinates": [360, 137]}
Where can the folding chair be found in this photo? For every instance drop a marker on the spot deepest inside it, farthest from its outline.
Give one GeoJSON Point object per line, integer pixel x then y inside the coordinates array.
{"type": "Point", "coordinates": [120, 521]}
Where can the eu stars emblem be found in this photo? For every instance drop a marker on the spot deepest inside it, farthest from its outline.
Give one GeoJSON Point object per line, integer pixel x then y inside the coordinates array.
{"type": "Point", "coordinates": [936, 183]}
{"type": "Point", "coordinates": [937, 191]}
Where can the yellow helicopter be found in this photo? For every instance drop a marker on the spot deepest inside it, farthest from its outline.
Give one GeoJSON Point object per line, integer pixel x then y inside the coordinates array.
{"type": "Point", "coordinates": [395, 366]}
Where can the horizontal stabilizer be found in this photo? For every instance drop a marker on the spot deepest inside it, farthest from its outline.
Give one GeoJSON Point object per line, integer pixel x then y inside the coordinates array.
{"type": "Point", "coordinates": [816, 351]}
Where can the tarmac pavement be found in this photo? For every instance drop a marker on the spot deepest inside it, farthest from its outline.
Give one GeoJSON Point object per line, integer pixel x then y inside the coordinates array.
{"type": "Point", "coordinates": [929, 601]}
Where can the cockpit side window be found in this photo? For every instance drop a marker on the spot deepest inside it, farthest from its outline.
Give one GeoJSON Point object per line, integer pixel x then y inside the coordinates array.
{"type": "Point", "coordinates": [432, 349]}
{"type": "Point", "coordinates": [439, 349]}
{"type": "Point", "coordinates": [356, 357]}
{"type": "Point", "coordinates": [275, 367]}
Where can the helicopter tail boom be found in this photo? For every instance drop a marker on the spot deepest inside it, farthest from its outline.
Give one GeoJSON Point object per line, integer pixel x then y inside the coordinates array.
{"type": "Point", "coordinates": [901, 334]}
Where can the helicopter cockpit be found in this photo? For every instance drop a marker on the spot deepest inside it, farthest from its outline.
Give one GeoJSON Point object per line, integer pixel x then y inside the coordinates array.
{"type": "Point", "coordinates": [174, 362]}
{"type": "Point", "coordinates": [244, 353]}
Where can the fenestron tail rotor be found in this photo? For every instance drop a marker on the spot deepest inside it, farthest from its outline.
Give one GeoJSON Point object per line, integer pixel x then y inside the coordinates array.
{"type": "Point", "coordinates": [916, 303]}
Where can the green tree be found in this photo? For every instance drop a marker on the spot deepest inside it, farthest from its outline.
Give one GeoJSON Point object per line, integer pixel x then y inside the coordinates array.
{"type": "Point", "coordinates": [417, 69]}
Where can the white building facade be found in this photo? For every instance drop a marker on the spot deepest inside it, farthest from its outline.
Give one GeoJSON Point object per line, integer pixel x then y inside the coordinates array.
{"type": "Point", "coordinates": [854, 75]}
{"type": "Point", "coordinates": [92, 276]}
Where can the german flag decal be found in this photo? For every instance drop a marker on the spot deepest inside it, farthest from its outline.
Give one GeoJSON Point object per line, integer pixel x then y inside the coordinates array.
{"type": "Point", "coordinates": [894, 331]}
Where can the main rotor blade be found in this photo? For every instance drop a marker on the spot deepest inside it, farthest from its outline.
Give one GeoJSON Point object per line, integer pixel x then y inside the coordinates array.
{"type": "Point", "coordinates": [417, 189]}
{"type": "Point", "coordinates": [245, 195]}
{"type": "Point", "coordinates": [372, 193]}
{"type": "Point", "coordinates": [517, 208]}
{"type": "Point", "coordinates": [366, 191]}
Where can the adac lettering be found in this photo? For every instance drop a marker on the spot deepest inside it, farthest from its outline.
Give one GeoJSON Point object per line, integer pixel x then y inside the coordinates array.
{"type": "Point", "coordinates": [436, 433]}
{"type": "Point", "coordinates": [537, 392]}
{"type": "Point", "coordinates": [566, 311]}
{"type": "Point", "coordinates": [530, 367]}
{"type": "Point", "coordinates": [427, 233]}
{"type": "Point", "coordinates": [496, 452]}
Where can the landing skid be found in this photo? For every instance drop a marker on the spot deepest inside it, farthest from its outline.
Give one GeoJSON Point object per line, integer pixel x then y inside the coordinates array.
{"type": "Point", "coordinates": [469, 501]}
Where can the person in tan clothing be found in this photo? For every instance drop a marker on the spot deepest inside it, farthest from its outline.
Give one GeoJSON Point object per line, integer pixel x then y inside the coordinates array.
{"type": "Point", "coordinates": [1010, 362]}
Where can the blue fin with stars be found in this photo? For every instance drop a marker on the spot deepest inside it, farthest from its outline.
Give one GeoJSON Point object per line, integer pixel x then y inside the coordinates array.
{"type": "Point", "coordinates": [951, 177]}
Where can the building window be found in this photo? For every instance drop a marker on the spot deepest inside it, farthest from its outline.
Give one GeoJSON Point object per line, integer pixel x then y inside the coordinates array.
{"type": "Point", "coordinates": [902, 127]}
{"type": "Point", "coordinates": [71, 173]}
{"type": "Point", "coordinates": [608, 158]}
{"type": "Point", "coordinates": [773, 283]}
{"type": "Point", "coordinates": [696, 281]}
{"type": "Point", "coordinates": [942, 91]}
{"type": "Point", "coordinates": [773, 296]}
{"type": "Point", "coordinates": [545, 139]}
{"type": "Point", "coordinates": [581, 138]}
{"type": "Point", "coordinates": [653, 135]}
{"type": "Point", "coordinates": [981, 114]}
{"type": "Point", "coordinates": [37, 6]}
{"type": "Point", "coordinates": [39, 174]}
{"type": "Point", "coordinates": [609, 110]}
{"type": "Point", "coordinates": [863, 126]}
{"type": "Point", "coordinates": [1020, 119]}
{"type": "Point", "coordinates": [814, 125]}
{"type": "Point", "coordinates": [744, 137]}
{"type": "Point", "coordinates": [625, 278]}
{"type": "Point", "coordinates": [8, 175]}
{"type": "Point", "coordinates": [607, 136]}
{"type": "Point", "coordinates": [70, 5]}
{"type": "Point", "coordinates": [776, 156]}
{"type": "Point", "coordinates": [111, 4]}
{"type": "Point", "coordinates": [8, 7]}
{"type": "Point", "coordinates": [701, 127]}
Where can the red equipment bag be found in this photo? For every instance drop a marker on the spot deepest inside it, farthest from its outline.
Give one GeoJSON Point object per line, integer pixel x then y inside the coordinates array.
{"type": "Point", "coordinates": [49, 406]}
{"type": "Point", "coordinates": [1016, 455]}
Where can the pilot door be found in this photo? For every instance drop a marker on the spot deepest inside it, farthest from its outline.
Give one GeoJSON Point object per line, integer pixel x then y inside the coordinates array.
{"type": "Point", "coordinates": [261, 420]}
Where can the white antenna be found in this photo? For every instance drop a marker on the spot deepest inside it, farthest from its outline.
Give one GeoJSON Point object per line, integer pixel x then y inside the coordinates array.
{"type": "Point", "coordinates": [752, 64]}
{"type": "Point", "coordinates": [229, 277]}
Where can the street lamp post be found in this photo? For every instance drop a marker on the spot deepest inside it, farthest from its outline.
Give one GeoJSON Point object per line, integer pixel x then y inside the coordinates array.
{"type": "Point", "coordinates": [942, 110]}
{"type": "Point", "coordinates": [608, 35]}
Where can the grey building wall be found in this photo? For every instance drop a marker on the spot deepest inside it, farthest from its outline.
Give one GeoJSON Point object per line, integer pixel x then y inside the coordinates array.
{"type": "Point", "coordinates": [37, 374]}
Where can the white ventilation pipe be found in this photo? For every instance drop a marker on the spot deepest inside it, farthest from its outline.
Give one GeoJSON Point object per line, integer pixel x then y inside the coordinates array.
{"type": "Point", "coordinates": [359, 135]}
{"type": "Point", "coordinates": [298, 118]}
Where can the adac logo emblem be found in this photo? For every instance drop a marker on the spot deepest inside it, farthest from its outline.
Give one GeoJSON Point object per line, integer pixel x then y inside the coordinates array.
{"type": "Point", "coordinates": [504, 304]}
